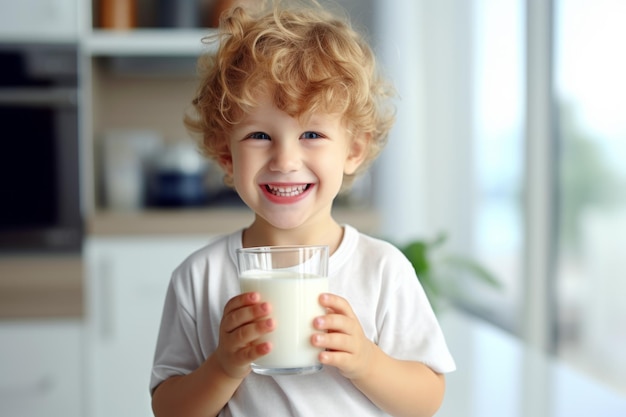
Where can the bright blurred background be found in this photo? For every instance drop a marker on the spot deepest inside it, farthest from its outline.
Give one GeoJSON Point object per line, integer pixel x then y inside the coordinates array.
{"type": "Point", "coordinates": [510, 139]}
{"type": "Point", "coordinates": [522, 161]}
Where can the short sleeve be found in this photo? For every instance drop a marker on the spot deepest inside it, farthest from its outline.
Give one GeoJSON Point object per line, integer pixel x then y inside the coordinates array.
{"type": "Point", "coordinates": [409, 329]}
{"type": "Point", "coordinates": [178, 350]}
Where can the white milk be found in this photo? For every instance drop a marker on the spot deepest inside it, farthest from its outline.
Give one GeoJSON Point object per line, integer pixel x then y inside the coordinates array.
{"type": "Point", "coordinates": [294, 299]}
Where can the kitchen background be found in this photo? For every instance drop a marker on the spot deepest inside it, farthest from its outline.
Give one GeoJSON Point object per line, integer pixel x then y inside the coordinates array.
{"type": "Point", "coordinates": [509, 138]}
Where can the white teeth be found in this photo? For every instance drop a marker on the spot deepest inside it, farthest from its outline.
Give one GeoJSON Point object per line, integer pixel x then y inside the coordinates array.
{"type": "Point", "coordinates": [290, 191]}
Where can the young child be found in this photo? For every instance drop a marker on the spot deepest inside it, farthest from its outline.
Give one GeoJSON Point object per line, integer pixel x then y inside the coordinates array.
{"type": "Point", "coordinates": [292, 109]}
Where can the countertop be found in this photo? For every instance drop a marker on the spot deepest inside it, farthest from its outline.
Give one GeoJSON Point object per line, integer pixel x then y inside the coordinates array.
{"type": "Point", "coordinates": [202, 221]}
{"type": "Point", "coordinates": [35, 286]}
{"type": "Point", "coordinates": [499, 376]}
{"type": "Point", "coordinates": [41, 286]}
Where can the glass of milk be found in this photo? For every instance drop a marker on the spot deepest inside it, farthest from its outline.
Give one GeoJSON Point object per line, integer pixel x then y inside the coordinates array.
{"type": "Point", "coordinates": [290, 278]}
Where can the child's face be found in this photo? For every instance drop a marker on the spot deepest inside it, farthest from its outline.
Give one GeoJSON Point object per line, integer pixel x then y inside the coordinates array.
{"type": "Point", "coordinates": [287, 170]}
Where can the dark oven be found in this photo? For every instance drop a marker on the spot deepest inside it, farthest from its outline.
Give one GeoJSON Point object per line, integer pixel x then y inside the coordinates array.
{"type": "Point", "coordinates": [39, 148]}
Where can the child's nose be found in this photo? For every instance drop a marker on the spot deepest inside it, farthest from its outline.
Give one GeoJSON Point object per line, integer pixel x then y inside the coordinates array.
{"type": "Point", "coordinates": [285, 158]}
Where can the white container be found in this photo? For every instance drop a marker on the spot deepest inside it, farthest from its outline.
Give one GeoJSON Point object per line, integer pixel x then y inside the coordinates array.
{"type": "Point", "coordinates": [126, 155]}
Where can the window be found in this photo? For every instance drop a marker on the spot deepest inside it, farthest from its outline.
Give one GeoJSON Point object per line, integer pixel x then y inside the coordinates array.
{"type": "Point", "coordinates": [589, 278]}
{"type": "Point", "coordinates": [591, 265]}
{"type": "Point", "coordinates": [497, 225]}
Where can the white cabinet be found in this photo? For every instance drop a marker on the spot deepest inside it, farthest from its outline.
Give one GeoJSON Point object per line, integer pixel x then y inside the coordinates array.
{"type": "Point", "coordinates": [40, 364]}
{"type": "Point", "coordinates": [126, 283]}
{"type": "Point", "coordinates": [39, 20]}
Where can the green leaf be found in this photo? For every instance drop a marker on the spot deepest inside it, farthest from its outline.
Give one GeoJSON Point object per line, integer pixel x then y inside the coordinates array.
{"type": "Point", "coordinates": [416, 253]}
{"type": "Point", "coordinates": [436, 274]}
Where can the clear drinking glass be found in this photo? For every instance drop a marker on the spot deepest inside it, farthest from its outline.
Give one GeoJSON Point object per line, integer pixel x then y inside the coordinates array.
{"type": "Point", "coordinates": [290, 278]}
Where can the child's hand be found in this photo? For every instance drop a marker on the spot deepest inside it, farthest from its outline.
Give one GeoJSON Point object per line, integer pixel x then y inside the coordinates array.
{"type": "Point", "coordinates": [347, 347]}
{"type": "Point", "coordinates": [244, 322]}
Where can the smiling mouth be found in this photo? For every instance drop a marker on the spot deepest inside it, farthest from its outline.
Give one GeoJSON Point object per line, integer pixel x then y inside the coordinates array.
{"type": "Point", "coordinates": [287, 191]}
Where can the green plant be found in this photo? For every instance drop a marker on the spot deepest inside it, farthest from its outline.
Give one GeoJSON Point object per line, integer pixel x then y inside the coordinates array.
{"type": "Point", "coordinates": [440, 274]}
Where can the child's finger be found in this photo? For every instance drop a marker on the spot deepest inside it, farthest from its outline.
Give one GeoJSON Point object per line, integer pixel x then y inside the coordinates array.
{"type": "Point", "coordinates": [247, 334]}
{"type": "Point", "coordinates": [241, 300]}
{"type": "Point", "coordinates": [337, 304]}
{"type": "Point", "coordinates": [244, 315]}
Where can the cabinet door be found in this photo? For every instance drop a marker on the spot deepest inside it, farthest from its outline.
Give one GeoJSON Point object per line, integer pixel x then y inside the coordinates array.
{"type": "Point", "coordinates": [40, 365]}
{"type": "Point", "coordinates": [126, 284]}
{"type": "Point", "coordinates": [39, 20]}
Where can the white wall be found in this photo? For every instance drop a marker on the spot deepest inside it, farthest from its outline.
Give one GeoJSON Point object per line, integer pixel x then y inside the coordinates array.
{"type": "Point", "coordinates": [424, 177]}
{"type": "Point", "coordinates": [400, 181]}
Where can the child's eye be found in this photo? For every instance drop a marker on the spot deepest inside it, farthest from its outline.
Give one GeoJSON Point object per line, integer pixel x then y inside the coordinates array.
{"type": "Point", "coordinates": [310, 135]}
{"type": "Point", "coordinates": [259, 135]}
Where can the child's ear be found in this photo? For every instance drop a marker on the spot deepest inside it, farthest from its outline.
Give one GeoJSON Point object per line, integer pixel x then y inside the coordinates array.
{"type": "Point", "coordinates": [226, 162]}
{"type": "Point", "coordinates": [359, 148]}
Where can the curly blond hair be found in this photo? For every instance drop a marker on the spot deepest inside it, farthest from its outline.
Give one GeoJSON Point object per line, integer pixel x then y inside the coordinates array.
{"type": "Point", "coordinates": [310, 60]}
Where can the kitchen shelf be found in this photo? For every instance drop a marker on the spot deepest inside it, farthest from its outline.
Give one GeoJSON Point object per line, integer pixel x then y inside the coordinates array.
{"type": "Point", "coordinates": [147, 42]}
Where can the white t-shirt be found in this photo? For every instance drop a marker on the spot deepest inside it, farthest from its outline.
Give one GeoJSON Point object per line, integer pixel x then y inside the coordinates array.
{"type": "Point", "coordinates": [374, 276]}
